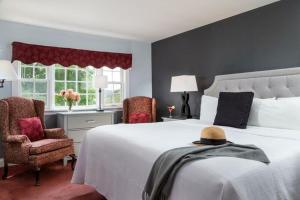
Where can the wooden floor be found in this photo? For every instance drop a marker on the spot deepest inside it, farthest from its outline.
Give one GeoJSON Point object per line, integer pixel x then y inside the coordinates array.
{"type": "Point", "coordinates": [55, 185]}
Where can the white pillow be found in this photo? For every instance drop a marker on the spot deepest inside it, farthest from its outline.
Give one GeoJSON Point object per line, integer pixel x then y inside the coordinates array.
{"type": "Point", "coordinates": [282, 113]}
{"type": "Point", "coordinates": [208, 109]}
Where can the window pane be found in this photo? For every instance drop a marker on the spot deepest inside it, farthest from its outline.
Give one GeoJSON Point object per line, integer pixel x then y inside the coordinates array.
{"type": "Point", "coordinates": [117, 69]}
{"type": "Point", "coordinates": [82, 101]}
{"type": "Point", "coordinates": [71, 75]}
{"type": "Point", "coordinates": [29, 96]}
{"type": "Point", "coordinates": [81, 75]}
{"type": "Point", "coordinates": [71, 85]}
{"type": "Point", "coordinates": [40, 73]}
{"type": "Point", "coordinates": [27, 72]}
{"type": "Point", "coordinates": [42, 97]}
{"type": "Point", "coordinates": [117, 98]}
{"type": "Point", "coordinates": [82, 87]}
{"type": "Point", "coordinates": [59, 86]}
{"type": "Point", "coordinates": [91, 88]}
{"type": "Point", "coordinates": [59, 101]}
{"type": "Point", "coordinates": [40, 87]}
{"type": "Point", "coordinates": [27, 87]}
{"type": "Point", "coordinates": [117, 88]}
{"type": "Point", "coordinates": [108, 99]}
{"type": "Point", "coordinates": [59, 74]}
{"type": "Point", "coordinates": [108, 93]}
{"type": "Point", "coordinates": [91, 99]}
{"type": "Point", "coordinates": [116, 76]}
{"type": "Point", "coordinates": [108, 74]}
{"type": "Point", "coordinates": [117, 94]}
{"type": "Point", "coordinates": [90, 74]}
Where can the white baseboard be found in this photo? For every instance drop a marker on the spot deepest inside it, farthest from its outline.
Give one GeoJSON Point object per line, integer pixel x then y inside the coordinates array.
{"type": "Point", "coordinates": [1, 162]}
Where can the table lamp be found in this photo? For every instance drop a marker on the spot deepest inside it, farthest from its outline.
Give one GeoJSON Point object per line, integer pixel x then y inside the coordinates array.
{"type": "Point", "coordinates": [185, 84]}
{"type": "Point", "coordinates": [7, 72]}
{"type": "Point", "coordinates": [101, 83]}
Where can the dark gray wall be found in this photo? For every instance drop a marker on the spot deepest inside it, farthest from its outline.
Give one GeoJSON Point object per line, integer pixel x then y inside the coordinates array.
{"type": "Point", "coordinates": [262, 39]}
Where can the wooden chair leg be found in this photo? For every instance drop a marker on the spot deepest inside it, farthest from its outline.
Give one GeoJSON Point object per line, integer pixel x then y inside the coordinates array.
{"type": "Point", "coordinates": [37, 176]}
{"type": "Point", "coordinates": [73, 161]}
{"type": "Point", "coordinates": [5, 170]}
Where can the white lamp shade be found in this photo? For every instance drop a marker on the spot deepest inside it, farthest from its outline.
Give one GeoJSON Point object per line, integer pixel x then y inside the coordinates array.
{"type": "Point", "coordinates": [184, 83]}
{"type": "Point", "coordinates": [100, 81]}
{"type": "Point", "coordinates": [7, 71]}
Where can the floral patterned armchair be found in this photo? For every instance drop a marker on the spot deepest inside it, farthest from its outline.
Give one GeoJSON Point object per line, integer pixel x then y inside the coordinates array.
{"type": "Point", "coordinates": [139, 104]}
{"type": "Point", "coordinates": [18, 149]}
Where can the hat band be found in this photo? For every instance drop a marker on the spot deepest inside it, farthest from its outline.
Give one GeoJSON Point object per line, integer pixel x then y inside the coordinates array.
{"type": "Point", "coordinates": [212, 141]}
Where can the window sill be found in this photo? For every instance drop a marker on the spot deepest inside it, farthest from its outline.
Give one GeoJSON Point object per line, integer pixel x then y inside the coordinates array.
{"type": "Point", "coordinates": [54, 112]}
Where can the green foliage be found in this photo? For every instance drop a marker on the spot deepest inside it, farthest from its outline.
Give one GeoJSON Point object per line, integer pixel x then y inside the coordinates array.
{"type": "Point", "coordinates": [27, 72]}
{"type": "Point", "coordinates": [81, 75]}
{"type": "Point", "coordinates": [90, 74]}
{"type": "Point", "coordinates": [91, 100]}
{"type": "Point", "coordinates": [40, 73]}
{"type": "Point", "coordinates": [59, 86]}
{"type": "Point", "coordinates": [82, 88]}
{"type": "Point", "coordinates": [59, 101]}
{"type": "Point", "coordinates": [71, 85]}
{"type": "Point", "coordinates": [71, 74]}
{"type": "Point", "coordinates": [59, 74]}
{"type": "Point", "coordinates": [83, 100]}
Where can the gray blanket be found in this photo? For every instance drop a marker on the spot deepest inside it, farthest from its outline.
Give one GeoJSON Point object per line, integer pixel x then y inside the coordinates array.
{"type": "Point", "coordinates": [163, 172]}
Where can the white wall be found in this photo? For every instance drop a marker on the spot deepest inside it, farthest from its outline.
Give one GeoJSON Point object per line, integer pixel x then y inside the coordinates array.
{"type": "Point", "coordinates": [139, 76]}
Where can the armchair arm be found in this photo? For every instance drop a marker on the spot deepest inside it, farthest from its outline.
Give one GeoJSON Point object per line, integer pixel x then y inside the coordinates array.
{"type": "Point", "coordinates": [55, 133]}
{"type": "Point", "coordinates": [16, 149]}
{"type": "Point", "coordinates": [17, 139]}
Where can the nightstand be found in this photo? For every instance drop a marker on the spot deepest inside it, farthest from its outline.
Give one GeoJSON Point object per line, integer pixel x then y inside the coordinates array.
{"type": "Point", "coordinates": [174, 118]}
{"type": "Point", "coordinates": [77, 123]}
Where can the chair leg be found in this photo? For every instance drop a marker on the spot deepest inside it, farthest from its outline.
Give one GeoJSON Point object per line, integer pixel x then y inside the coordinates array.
{"type": "Point", "coordinates": [5, 171]}
{"type": "Point", "coordinates": [73, 161]}
{"type": "Point", "coordinates": [37, 176]}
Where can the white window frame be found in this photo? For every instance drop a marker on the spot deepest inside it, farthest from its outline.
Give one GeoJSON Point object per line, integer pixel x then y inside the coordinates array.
{"type": "Point", "coordinates": [124, 85]}
{"type": "Point", "coordinates": [16, 89]}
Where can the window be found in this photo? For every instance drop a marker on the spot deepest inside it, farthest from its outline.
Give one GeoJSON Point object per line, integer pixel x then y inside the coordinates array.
{"type": "Point", "coordinates": [45, 83]}
{"type": "Point", "coordinates": [34, 82]}
{"type": "Point", "coordinates": [113, 95]}
{"type": "Point", "coordinates": [80, 80]}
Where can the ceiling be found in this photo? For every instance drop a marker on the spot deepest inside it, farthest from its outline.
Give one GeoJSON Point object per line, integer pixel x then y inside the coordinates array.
{"type": "Point", "coordinates": [146, 20]}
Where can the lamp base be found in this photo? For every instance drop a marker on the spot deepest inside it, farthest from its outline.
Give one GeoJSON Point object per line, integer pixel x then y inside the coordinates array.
{"type": "Point", "coordinates": [185, 108]}
{"type": "Point", "coordinates": [2, 83]}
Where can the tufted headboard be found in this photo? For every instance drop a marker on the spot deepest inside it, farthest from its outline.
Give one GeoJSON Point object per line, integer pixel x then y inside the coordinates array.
{"type": "Point", "coordinates": [264, 84]}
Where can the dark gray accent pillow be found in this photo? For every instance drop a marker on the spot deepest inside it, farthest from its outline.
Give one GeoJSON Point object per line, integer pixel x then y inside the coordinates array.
{"type": "Point", "coordinates": [234, 109]}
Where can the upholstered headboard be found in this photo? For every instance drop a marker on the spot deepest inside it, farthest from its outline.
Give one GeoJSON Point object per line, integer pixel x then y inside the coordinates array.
{"type": "Point", "coordinates": [264, 84]}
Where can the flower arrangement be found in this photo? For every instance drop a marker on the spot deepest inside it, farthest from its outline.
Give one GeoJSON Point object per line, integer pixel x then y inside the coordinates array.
{"type": "Point", "coordinates": [70, 97]}
{"type": "Point", "coordinates": [171, 109]}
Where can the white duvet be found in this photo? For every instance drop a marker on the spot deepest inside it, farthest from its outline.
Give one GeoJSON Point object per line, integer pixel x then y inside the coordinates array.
{"type": "Point", "coordinates": [117, 159]}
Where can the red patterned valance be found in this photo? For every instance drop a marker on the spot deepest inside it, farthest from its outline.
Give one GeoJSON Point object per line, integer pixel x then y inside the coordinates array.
{"type": "Point", "coordinates": [46, 55]}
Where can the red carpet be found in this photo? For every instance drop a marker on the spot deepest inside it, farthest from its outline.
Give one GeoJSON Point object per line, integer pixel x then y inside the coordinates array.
{"type": "Point", "coordinates": [55, 185]}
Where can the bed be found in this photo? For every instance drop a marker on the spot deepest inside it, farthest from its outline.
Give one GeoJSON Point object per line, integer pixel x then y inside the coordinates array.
{"type": "Point", "coordinates": [117, 159]}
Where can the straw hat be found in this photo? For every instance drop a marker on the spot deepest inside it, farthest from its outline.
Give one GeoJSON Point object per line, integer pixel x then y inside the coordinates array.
{"type": "Point", "coordinates": [212, 136]}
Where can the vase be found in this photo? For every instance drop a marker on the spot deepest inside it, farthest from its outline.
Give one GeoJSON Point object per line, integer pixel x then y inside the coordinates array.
{"type": "Point", "coordinates": [70, 104]}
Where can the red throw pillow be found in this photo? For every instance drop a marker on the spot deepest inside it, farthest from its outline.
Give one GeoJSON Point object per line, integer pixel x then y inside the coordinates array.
{"type": "Point", "coordinates": [32, 127]}
{"type": "Point", "coordinates": [139, 118]}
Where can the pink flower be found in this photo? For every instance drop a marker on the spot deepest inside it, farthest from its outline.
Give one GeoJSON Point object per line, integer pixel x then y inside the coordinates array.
{"type": "Point", "coordinates": [77, 97]}
{"type": "Point", "coordinates": [62, 93]}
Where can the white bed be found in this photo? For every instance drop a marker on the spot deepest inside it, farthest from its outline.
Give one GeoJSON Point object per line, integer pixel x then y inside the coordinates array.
{"type": "Point", "coordinates": [117, 159]}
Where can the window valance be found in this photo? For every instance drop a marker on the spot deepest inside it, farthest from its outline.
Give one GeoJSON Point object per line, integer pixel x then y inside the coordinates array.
{"type": "Point", "coordinates": [46, 55]}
